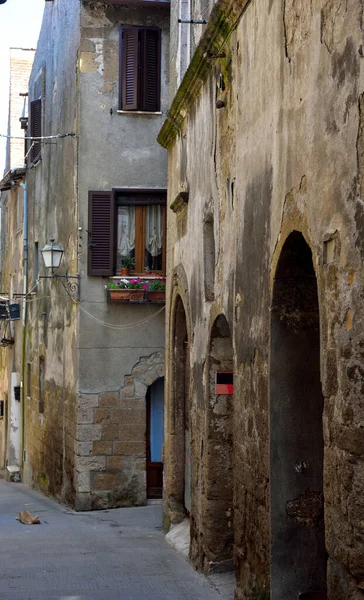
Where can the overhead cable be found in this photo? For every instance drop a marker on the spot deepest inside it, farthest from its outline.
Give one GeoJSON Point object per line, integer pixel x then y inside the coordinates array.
{"type": "Point", "coordinates": [44, 137]}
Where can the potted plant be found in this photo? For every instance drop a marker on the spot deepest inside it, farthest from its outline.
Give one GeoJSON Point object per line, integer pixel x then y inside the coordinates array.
{"type": "Point", "coordinates": [157, 290]}
{"type": "Point", "coordinates": [126, 290]}
{"type": "Point", "coordinates": [127, 264]}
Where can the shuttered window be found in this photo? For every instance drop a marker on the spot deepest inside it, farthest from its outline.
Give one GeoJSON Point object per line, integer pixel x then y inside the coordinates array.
{"type": "Point", "coordinates": [35, 129]}
{"type": "Point", "coordinates": [101, 233]}
{"type": "Point", "coordinates": [140, 60]}
{"type": "Point", "coordinates": [126, 224]}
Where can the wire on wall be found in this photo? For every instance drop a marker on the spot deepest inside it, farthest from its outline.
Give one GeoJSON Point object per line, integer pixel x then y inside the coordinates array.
{"type": "Point", "coordinates": [96, 319]}
{"type": "Point", "coordinates": [44, 137]}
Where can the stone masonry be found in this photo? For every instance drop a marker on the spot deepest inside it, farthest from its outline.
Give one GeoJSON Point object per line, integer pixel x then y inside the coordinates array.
{"type": "Point", "coordinates": [111, 441]}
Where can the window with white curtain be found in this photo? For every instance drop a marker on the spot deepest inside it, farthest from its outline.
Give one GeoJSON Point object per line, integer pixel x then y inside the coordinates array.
{"type": "Point", "coordinates": [141, 230]}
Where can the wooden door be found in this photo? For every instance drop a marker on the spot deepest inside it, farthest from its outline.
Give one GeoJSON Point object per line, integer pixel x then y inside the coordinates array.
{"type": "Point", "coordinates": [155, 439]}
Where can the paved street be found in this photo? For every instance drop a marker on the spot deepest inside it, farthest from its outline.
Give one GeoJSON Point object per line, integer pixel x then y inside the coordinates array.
{"type": "Point", "coordinates": [106, 555]}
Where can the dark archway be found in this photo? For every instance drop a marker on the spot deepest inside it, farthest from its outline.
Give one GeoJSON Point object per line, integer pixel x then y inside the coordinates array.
{"type": "Point", "coordinates": [218, 518]}
{"type": "Point", "coordinates": [298, 557]}
{"type": "Point", "coordinates": [180, 430]}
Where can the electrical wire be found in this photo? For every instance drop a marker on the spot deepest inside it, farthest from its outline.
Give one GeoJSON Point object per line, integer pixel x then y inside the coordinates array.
{"type": "Point", "coordinates": [120, 327]}
{"type": "Point", "coordinates": [45, 137]}
{"type": "Point", "coordinates": [96, 319]}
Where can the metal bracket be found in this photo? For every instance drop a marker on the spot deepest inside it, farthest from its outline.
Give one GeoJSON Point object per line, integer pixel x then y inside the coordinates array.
{"type": "Point", "coordinates": [73, 287]}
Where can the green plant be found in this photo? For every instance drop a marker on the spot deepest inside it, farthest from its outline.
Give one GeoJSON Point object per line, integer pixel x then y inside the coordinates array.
{"type": "Point", "coordinates": [128, 262]}
{"type": "Point", "coordinates": [126, 284]}
{"type": "Point", "coordinates": [159, 285]}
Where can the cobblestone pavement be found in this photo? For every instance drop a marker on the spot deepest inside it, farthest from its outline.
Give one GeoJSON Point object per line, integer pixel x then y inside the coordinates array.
{"type": "Point", "coordinates": [115, 554]}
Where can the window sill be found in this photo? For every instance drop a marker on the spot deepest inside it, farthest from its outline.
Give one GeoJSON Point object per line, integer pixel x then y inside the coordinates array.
{"type": "Point", "coordinates": [139, 112]}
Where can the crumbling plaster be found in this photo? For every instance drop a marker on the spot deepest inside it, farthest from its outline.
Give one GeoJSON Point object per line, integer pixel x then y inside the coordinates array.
{"type": "Point", "coordinates": [288, 138]}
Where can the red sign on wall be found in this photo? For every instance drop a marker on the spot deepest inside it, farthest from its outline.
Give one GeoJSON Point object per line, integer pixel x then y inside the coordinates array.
{"type": "Point", "coordinates": [224, 383]}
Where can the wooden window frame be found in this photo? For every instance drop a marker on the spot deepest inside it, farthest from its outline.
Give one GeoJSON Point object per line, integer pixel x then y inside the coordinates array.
{"type": "Point", "coordinates": [139, 83]}
{"type": "Point", "coordinates": [138, 199]}
{"type": "Point", "coordinates": [110, 200]}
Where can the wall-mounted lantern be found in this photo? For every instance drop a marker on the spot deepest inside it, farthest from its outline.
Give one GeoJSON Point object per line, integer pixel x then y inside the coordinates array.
{"type": "Point", "coordinates": [52, 256]}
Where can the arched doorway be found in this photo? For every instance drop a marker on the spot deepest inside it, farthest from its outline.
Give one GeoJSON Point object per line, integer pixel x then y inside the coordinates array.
{"type": "Point", "coordinates": [180, 430]}
{"type": "Point", "coordinates": [155, 438]}
{"type": "Point", "coordinates": [218, 518]}
{"type": "Point", "coordinates": [298, 557]}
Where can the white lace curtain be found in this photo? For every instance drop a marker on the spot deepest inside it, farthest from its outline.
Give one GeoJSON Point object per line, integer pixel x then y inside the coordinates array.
{"type": "Point", "coordinates": [154, 230]}
{"type": "Point", "coordinates": [126, 230]}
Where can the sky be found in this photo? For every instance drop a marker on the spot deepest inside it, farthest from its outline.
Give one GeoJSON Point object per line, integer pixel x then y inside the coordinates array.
{"type": "Point", "coordinates": [20, 22]}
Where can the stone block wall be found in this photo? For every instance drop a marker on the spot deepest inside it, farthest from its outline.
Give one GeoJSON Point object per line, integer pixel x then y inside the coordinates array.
{"type": "Point", "coordinates": [111, 441]}
{"type": "Point", "coordinates": [282, 154]}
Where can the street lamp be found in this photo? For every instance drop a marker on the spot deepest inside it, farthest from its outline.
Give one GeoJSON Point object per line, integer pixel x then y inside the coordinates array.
{"type": "Point", "coordinates": [52, 256]}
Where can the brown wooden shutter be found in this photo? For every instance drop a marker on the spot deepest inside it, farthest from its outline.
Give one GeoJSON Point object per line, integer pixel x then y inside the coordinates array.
{"type": "Point", "coordinates": [129, 68]}
{"type": "Point", "coordinates": [151, 61]}
{"type": "Point", "coordinates": [101, 253]}
{"type": "Point", "coordinates": [35, 128]}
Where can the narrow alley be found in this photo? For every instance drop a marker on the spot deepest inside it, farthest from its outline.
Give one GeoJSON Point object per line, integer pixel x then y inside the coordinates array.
{"type": "Point", "coordinates": [115, 554]}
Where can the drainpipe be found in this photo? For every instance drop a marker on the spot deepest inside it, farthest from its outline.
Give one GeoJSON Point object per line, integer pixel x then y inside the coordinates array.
{"type": "Point", "coordinates": [25, 291]}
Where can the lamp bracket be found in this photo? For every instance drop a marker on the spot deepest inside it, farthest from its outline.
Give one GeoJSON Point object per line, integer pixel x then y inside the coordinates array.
{"type": "Point", "coordinates": [72, 285]}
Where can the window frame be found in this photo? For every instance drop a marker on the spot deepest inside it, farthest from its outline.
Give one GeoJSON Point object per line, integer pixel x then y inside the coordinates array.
{"type": "Point", "coordinates": [139, 197]}
{"type": "Point", "coordinates": [139, 81]}
{"type": "Point", "coordinates": [36, 116]}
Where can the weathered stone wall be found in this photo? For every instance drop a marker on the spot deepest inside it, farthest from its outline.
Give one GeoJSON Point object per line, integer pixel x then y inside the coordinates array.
{"type": "Point", "coordinates": [111, 434]}
{"type": "Point", "coordinates": [283, 154]}
{"type": "Point", "coordinates": [52, 317]}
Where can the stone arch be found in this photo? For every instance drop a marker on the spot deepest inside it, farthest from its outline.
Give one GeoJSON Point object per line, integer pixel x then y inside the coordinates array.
{"type": "Point", "coordinates": [298, 556]}
{"type": "Point", "coordinates": [146, 371]}
{"type": "Point", "coordinates": [218, 517]}
{"type": "Point", "coordinates": [178, 410]}
{"type": "Point", "coordinates": [133, 399]}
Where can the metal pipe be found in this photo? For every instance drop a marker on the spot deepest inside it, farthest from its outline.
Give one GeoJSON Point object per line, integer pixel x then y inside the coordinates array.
{"type": "Point", "coordinates": [193, 21]}
{"type": "Point", "coordinates": [25, 290]}
{"type": "Point", "coordinates": [25, 245]}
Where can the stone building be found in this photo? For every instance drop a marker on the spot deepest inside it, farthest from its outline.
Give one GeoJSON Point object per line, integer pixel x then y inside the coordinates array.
{"type": "Point", "coordinates": [265, 290]}
{"type": "Point", "coordinates": [11, 269]}
{"type": "Point", "coordinates": [93, 368]}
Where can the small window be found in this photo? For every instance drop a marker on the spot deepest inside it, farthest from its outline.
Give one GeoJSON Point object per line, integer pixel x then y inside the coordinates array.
{"type": "Point", "coordinates": [140, 64]}
{"type": "Point", "coordinates": [36, 264]}
{"type": "Point", "coordinates": [41, 384]}
{"type": "Point", "coordinates": [29, 378]}
{"type": "Point", "coordinates": [127, 224]}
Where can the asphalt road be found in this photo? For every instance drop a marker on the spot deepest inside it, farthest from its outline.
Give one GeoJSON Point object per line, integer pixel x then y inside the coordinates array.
{"type": "Point", "coordinates": [118, 554]}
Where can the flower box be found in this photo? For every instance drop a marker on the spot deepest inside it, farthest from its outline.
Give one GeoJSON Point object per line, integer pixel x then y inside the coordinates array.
{"type": "Point", "coordinates": [126, 295]}
{"type": "Point", "coordinates": [156, 295]}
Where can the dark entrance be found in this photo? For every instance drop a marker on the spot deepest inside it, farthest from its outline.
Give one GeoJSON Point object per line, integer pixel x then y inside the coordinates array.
{"type": "Point", "coordinates": [298, 557]}
{"type": "Point", "coordinates": [155, 437]}
{"type": "Point", "coordinates": [218, 517]}
{"type": "Point", "coordinates": [180, 464]}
